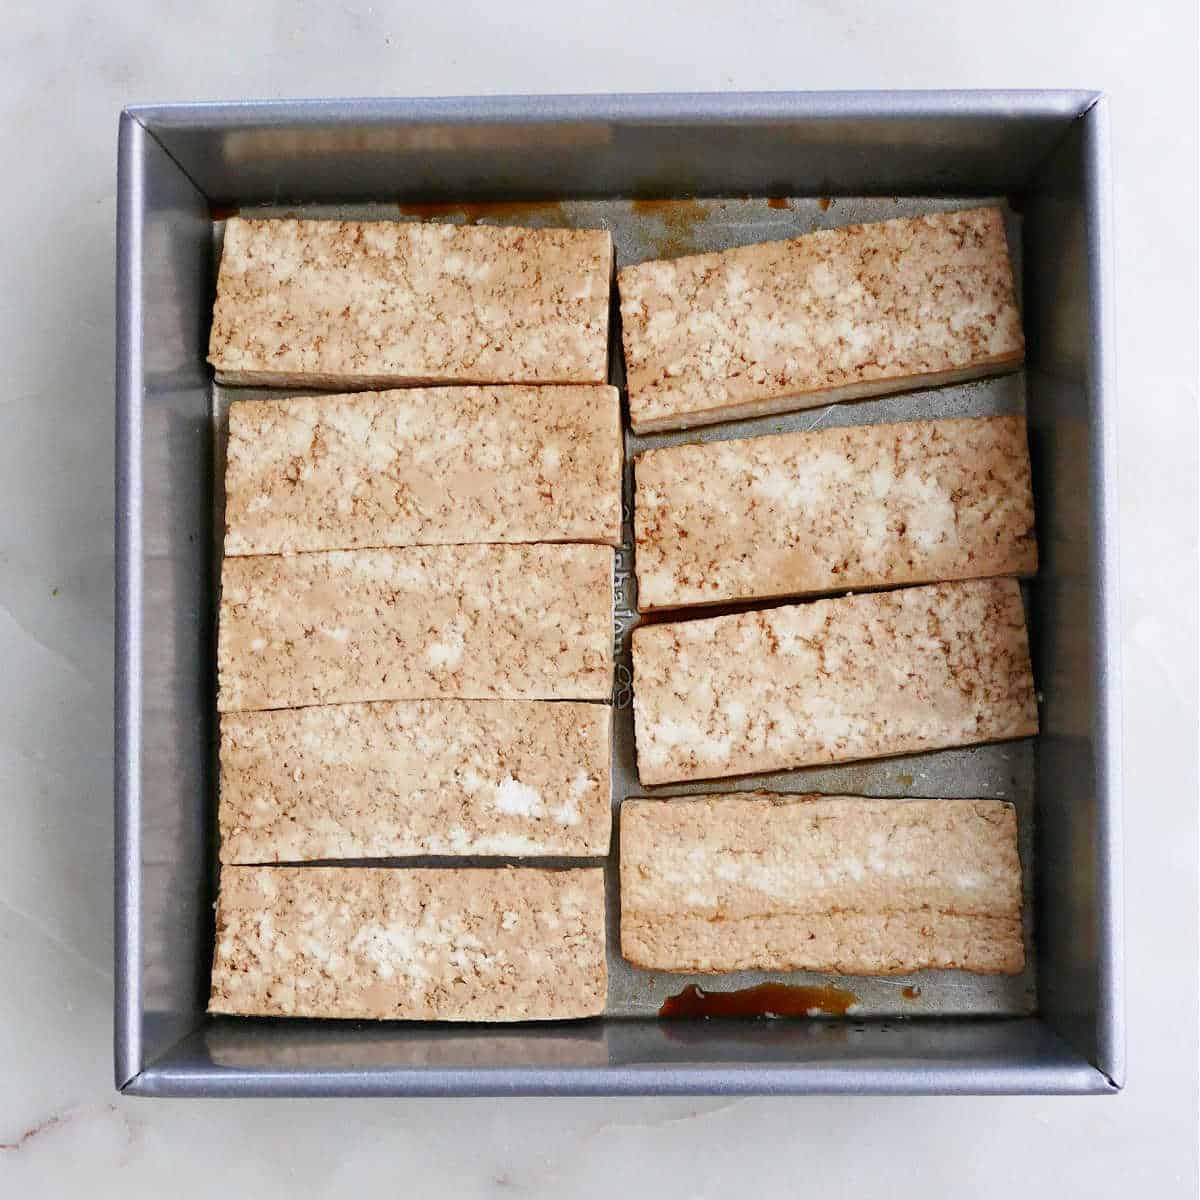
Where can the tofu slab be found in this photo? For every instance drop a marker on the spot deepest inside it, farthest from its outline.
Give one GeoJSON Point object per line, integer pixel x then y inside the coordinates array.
{"type": "Point", "coordinates": [857, 677]}
{"type": "Point", "coordinates": [416, 777]}
{"type": "Point", "coordinates": [472, 622]}
{"type": "Point", "coordinates": [362, 304]}
{"type": "Point", "coordinates": [835, 315]}
{"type": "Point", "coordinates": [810, 513]}
{"type": "Point", "coordinates": [420, 945]}
{"type": "Point", "coordinates": [812, 883]}
{"type": "Point", "coordinates": [424, 466]}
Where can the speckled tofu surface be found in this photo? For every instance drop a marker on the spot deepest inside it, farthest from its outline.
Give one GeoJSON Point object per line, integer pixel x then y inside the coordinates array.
{"type": "Point", "coordinates": [388, 304]}
{"type": "Point", "coordinates": [472, 622]}
{"type": "Point", "coordinates": [422, 945]}
{"type": "Point", "coordinates": [839, 883]}
{"type": "Point", "coordinates": [833, 315]}
{"type": "Point", "coordinates": [498, 777]}
{"type": "Point", "coordinates": [424, 466]}
{"type": "Point", "coordinates": [805, 513]}
{"type": "Point", "coordinates": [856, 677]}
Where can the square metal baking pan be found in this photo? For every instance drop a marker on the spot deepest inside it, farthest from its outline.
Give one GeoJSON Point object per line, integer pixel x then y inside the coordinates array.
{"type": "Point", "coordinates": [823, 159]}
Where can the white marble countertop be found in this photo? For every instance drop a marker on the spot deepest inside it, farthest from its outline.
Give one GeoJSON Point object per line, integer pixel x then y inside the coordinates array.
{"type": "Point", "coordinates": [68, 69]}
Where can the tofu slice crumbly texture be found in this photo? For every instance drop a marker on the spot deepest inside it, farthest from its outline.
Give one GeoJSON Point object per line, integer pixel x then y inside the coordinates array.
{"type": "Point", "coordinates": [466, 622]}
{"type": "Point", "coordinates": [416, 777]}
{"type": "Point", "coordinates": [420, 945]}
{"type": "Point", "coordinates": [860, 507]}
{"type": "Point", "coordinates": [858, 677]}
{"type": "Point", "coordinates": [371, 304]}
{"type": "Point", "coordinates": [835, 315]}
{"type": "Point", "coordinates": [840, 884]}
{"type": "Point", "coordinates": [424, 466]}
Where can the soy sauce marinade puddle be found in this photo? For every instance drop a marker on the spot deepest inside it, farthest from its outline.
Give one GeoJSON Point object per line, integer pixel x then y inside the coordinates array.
{"type": "Point", "coordinates": [764, 1000]}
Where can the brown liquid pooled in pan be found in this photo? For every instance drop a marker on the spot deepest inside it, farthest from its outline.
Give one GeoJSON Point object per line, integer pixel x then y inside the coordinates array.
{"type": "Point", "coordinates": [763, 1000]}
{"type": "Point", "coordinates": [496, 210]}
{"type": "Point", "coordinates": [680, 218]}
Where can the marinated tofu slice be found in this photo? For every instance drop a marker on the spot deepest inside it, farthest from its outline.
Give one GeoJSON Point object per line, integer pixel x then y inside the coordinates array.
{"type": "Point", "coordinates": [424, 466]}
{"type": "Point", "coordinates": [864, 676]}
{"type": "Point", "coordinates": [419, 945]}
{"type": "Point", "coordinates": [867, 506]}
{"type": "Point", "coordinates": [371, 304]}
{"type": "Point", "coordinates": [840, 314]}
{"type": "Point", "coordinates": [840, 884]}
{"type": "Point", "coordinates": [396, 778]}
{"type": "Point", "coordinates": [428, 622]}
